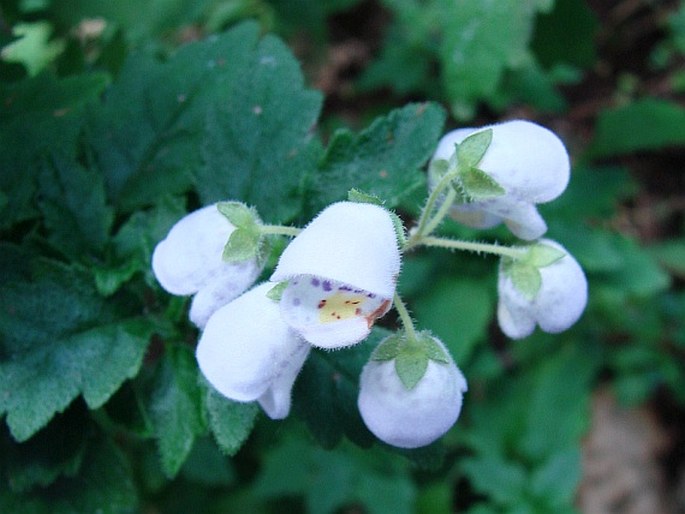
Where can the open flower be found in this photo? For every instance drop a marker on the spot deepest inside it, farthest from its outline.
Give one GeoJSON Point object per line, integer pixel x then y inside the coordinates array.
{"type": "Point", "coordinates": [531, 165]}
{"type": "Point", "coordinates": [555, 300]}
{"type": "Point", "coordinates": [189, 262]}
{"type": "Point", "coordinates": [341, 272]}
{"type": "Point", "coordinates": [410, 418]}
{"type": "Point", "coordinates": [248, 353]}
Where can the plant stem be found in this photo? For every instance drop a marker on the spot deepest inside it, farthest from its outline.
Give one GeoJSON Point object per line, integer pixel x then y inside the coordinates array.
{"type": "Point", "coordinates": [279, 230]}
{"type": "Point", "coordinates": [408, 324]}
{"type": "Point", "coordinates": [474, 246]}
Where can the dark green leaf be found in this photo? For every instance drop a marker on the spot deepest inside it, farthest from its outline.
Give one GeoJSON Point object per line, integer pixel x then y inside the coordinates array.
{"type": "Point", "coordinates": [230, 422]}
{"type": "Point", "coordinates": [647, 124]}
{"type": "Point", "coordinates": [176, 407]}
{"type": "Point", "coordinates": [383, 160]}
{"type": "Point", "coordinates": [502, 480]}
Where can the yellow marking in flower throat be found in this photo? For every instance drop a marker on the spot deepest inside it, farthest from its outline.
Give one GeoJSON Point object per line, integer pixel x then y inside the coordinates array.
{"type": "Point", "coordinates": [339, 306]}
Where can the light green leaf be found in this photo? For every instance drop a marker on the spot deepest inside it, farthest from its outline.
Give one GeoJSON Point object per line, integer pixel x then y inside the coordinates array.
{"type": "Point", "coordinates": [230, 422]}
{"type": "Point", "coordinates": [478, 185]}
{"type": "Point", "coordinates": [388, 349]}
{"type": "Point", "coordinates": [383, 160]}
{"type": "Point", "coordinates": [239, 214]}
{"type": "Point", "coordinates": [472, 149]}
{"type": "Point", "coordinates": [433, 350]}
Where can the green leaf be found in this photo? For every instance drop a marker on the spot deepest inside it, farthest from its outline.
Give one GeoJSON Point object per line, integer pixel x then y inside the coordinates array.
{"type": "Point", "coordinates": [239, 214]}
{"type": "Point", "coordinates": [504, 481]}
{"type": "Point", "coordinates": [61, 341]}
{"type": "Point", "coordinates": [75, 211]}
{"type": "Point", "coordinates": [257, 146]}
{"type": "Point", "coordinates": [230, 422]}
{"type": "Point", "coordinates": [103, 485]}
{"type": "Point", "coordinates": [472, 149]}
{"type": "Point", "coordinates": [38, 116]}
{"type": "Point", "coordinates": [329, 481]}
{"type": "Point", "coordinates": [671, 255]}
{"type": "Point", "coordinates": [557, 479]}
{"type": "Point", "coordinates": [411, 365]}
{"type": "Point", "coordinates": [478, 185]}
{"type": "Point", "coordinates": [383, 160]}
{"type": "Point", "coordinates": [480, 41]}
{"type": "Point", "coordinates": [647, 124]}
{"type": "Point", "coordinates": [175, 407]}
{"type": "Point", "coordinates": [207, 466]}
{"type": "Point", "coordinates": [388, 349]}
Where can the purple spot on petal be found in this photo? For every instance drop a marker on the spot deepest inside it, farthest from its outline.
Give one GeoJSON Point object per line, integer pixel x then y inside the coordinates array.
{"type": "Point", "coordinates": [327, 285]}
{"type": "Point", "coordinates": [371, 295]}
{"type": "Point", "coordinates": [296, 302]}
{"type": "Point", "coordinates": [315, 282]}
{"type": "Point", "coordinates": [344, 288]}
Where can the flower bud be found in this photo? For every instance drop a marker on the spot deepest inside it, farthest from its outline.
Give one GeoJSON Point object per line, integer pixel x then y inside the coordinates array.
{"type": "Point", "coordinates": [410, 418]}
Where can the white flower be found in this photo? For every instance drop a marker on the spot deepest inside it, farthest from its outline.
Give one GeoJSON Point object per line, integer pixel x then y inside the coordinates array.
{"type": "Point", "coordinates": [410, 418]}
{"type": "Point", "coordinates": [189, 261]}
{"type": "Point", "coordinates": [528, 161]}
{"type": "Point", "coordinates": [559, 302]}
{"type": "Point", "coordinates": [341, 272]}
{"type": "Point", "coordinates": [248, 353]}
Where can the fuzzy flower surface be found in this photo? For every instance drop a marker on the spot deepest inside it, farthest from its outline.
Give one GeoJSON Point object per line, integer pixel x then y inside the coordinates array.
{"type": "Point", "coordinates": [188, 261]}
{"type": "Point", "coordinates": [248, 353]}
{"type": "Point", "coordinates": [341, 272]}
{"type": "Point", "coordinates": [552, 296]}
{"type": "Point", "coordinates": [411, 418]}
{"type": "Point", "coordinates": [527, 160]}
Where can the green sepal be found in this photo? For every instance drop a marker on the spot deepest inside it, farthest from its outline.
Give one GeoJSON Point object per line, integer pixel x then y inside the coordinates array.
{"type": "Point", "coordinates": [472, 149]}
{"type": "Point", "coordinates": [525, 277]}
{"type": "Point", "coordinates": [411, 364]}
{"type": "Point", "coordinates": [388, 349]}
{"type": "Point", "coordinates": [357, 196]}
{"type": "Point", "coordinates": [276, 292]}
{"type": "Point", "coordinates": [239, 214]}
{"type": "Point", "coordinates": [400, 231]}
{"type": "Point", "coordinates": [433, 350]}
{"type": "Point", "coordinates": [478, 185]}
{"type": "Point", "coordinates": [438, 169]}
{"type": "Point", "coordinates": [541, 255]}
{"type": "Point", "coordinates": [243, 244]}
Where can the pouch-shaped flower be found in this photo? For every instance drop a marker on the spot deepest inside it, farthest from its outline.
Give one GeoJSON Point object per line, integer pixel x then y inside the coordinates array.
{"type": "Point", "coordinates": [410, 418]}
{"type": "Point", "coordinates": [248, 353]}
{"type": "Point", "coordinates": [341, 272]}
{"type": "Point", "coordinates": [528, 161]}
{"type": "Point", "coordinates": [189, 262]}
{"type": "Point", "coordinates": [557, 304]}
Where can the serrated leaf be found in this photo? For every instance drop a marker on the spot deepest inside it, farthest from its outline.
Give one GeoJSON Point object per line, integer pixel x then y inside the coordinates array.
{"type": "Point", "coordinates": [526, 279]}
{"type": "Point", "coordinates": [411, 365]}
{"type": "Point", "coordinates": [175, 407]}
{"type": "Point", "coordinates": [258, 145]}
{"type": "Point", "coordinates": [383, 160]}
{"type": "Point", "coordinates": [60, 340]}
{"type": "Point", "coordinates": [478, 185]}
{"type": "Point", "coordinates": [325, 393]}
{"type": "Point", "coordinates": [328, 481]}
{"type": "Point", "coordinates": [230, 422]}
{"type": "Point", "coordinates": [242, 245]}
{"type": "Point", "coordinates": [541, 255]}
{"type": "Point", "coordinates": [472, 149]}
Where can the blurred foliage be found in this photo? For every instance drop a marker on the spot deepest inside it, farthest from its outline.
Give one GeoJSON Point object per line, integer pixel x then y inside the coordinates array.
{"type": "Point", "coordinates": [116, 118]}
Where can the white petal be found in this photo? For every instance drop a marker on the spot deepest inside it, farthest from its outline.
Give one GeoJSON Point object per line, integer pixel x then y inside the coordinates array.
{"type": "Point", "coordinates": [525, 222]}
{"type": "Point", "coordinates": [410, 418]}
{"type": "Point", "coordinates": [230, 282]}
{"type": "Point", "coordinates": [347, 242]}
{"type": "Point", "coordinates": [246, 349]}
{"type": "Point", "coordinates": [191, 252]}
{"type": "Point", "coordinates": [556, 307]}
{"type": "Point", "coordinates": [276, 400]}
{"type": "Point", "coordinates": [330, 314]}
